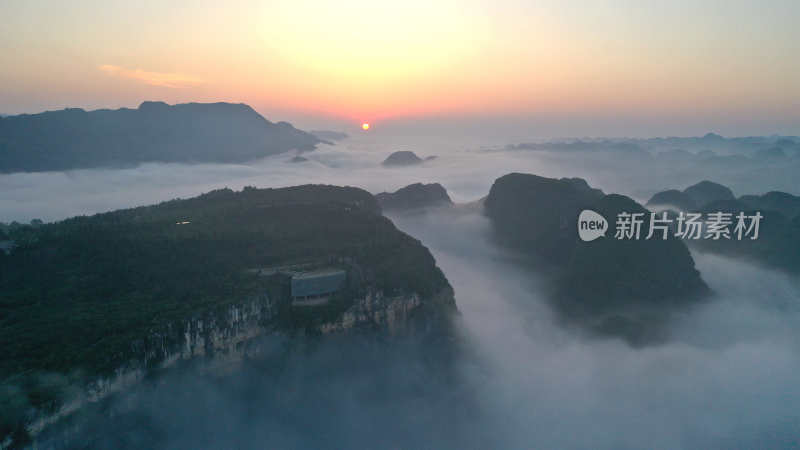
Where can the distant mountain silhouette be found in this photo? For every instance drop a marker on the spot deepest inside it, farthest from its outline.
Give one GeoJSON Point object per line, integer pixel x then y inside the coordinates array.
{"type": "Point", "coordinates": [786, 204]}
{"type": "Point", "coordinates": [402, 158]}
{"type": "Point", "coordinates": [698, 195]}
{"type": "Point", "coordinates": [713, 137]}
{"type": "Point", "coordinates": [328, 135]}
{"type": "Point", "coordinates": [772, 153]}
{"type": "Point", "coordinates": [415, 196]}
{"type": "Point", "coordinates": [193, 132]}
{"type": "Point", "coordinates": [710, 148]}
{"type": "Point", "coordinates": [778, 243]}
{"type": "Point", "coordinates": [673, 198]}
{"type": "Point", "coordinates": [706, 192]}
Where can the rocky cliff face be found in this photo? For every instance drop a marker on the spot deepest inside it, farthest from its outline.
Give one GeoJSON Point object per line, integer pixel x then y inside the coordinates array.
{"type": "Point", "coordinates": [145, 288]}
{"type": "Point", "coordinates": [222, 339]}
{"type": "Point", "coordinates": [396, 314]}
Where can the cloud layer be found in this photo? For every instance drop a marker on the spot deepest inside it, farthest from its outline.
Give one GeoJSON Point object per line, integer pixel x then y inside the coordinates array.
{"type": "Point", "coordinates": [162, 79]}
{"type": "Point", "coordinates": [726, 378]}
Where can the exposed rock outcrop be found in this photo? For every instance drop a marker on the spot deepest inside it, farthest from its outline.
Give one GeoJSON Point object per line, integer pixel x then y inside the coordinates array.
{"type": "Point", "coordinates": [171, 282]}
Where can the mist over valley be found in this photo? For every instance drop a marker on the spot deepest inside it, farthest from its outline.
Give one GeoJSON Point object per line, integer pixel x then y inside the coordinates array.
{"type": "Point", "coordinates": [518, 370]}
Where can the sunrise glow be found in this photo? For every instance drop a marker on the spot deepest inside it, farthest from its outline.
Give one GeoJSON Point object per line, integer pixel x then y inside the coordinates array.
{"type": "Point", "coordinates": [361, 58]}
{"type": "Point", "coordinates": [365, 126]}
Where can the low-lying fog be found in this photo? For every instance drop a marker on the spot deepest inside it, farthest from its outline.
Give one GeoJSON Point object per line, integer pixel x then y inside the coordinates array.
{"type": "Point", "coordinates": [726, 379]}
{"type": "Point", "coordinates": [467, 169]}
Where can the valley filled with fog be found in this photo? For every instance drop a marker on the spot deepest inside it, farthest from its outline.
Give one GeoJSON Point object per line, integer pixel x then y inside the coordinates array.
{"type": "Point", "coordinates": [466, 168]}
{"type": "Point", "coordinates": [725, 377]}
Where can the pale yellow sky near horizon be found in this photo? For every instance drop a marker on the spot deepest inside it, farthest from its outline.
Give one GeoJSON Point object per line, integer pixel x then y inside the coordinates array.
{"type": "Point", "coordinates": [729, 63]}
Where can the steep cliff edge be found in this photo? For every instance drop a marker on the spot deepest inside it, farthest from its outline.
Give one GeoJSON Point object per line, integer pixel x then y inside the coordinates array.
{"type": "Point", "coordinates": [93, 304]}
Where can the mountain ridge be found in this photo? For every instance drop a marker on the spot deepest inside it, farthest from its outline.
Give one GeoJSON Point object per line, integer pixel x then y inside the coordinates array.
{"type": "Point", "coordinates": [74, 138]}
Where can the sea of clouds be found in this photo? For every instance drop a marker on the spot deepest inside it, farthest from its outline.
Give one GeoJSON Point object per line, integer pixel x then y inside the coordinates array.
{"type": "Point", "coordinates": [727, 378]}
{"type": "Point", "coordinates": [466, 167]}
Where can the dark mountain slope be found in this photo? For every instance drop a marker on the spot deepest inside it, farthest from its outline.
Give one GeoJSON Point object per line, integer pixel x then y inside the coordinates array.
{"type": "Point", "coordinates": [192, 132]}
{"type": "Point", "coordinates": [624, 288]}
{"type": "Point", "coordinates": [95, 297]}
{"type": "Point", "coordinates": [415, 196]}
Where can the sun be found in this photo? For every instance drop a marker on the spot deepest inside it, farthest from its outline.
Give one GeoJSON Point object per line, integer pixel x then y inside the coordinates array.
{"type": "Point", "coordinates": [365, 126]}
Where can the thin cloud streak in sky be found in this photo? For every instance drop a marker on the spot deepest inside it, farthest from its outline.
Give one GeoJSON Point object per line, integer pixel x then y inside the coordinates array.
{"type": "Point", "coordinates": [163, 79]}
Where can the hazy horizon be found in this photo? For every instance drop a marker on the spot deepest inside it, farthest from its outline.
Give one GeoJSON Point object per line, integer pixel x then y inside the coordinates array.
{"type": "Point", "coordinates": [465, 166]}
{"type": "Point", "coordinates": [554, 69]}
{"type": "Point", "coordinates": [495, 130]}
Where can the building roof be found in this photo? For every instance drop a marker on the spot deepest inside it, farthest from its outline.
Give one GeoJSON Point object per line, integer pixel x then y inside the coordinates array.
{"type": "Point", "coordinates": [318, 282]}
{"type": "Point", "coordinates": [317, 273]}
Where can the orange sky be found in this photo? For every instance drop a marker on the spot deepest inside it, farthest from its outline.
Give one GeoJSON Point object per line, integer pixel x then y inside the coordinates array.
{"type": "Point", "coordinates": [374, 61]}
